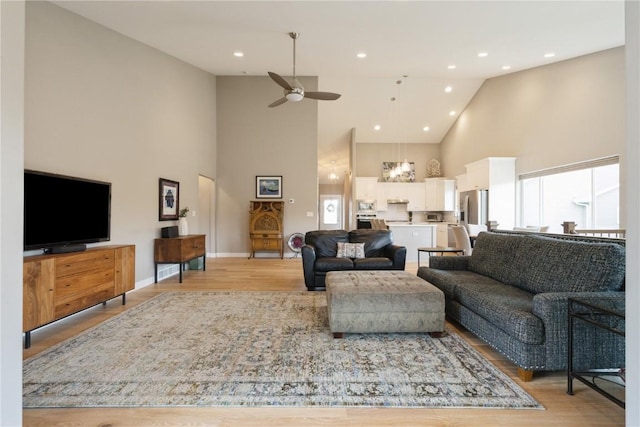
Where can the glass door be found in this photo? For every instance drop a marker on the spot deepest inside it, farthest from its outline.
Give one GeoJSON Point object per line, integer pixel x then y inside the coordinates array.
{"type": "Point", "coordinates": [330, 212]}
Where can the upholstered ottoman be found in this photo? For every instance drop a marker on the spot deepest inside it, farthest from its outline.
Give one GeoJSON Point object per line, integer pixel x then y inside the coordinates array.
{"type": "Point", "coordinates": [383, 301]}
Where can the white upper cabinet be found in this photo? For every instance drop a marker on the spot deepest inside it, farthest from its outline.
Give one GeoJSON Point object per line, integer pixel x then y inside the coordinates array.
{"type": "Point", "coordinates": [366, 188]}
{"type": "Point", "coordinates": [440, 194]}
{"type": "Point", "coordinates": [415, 193]}
{"type": "Point", "coordinates": [486, 173]}
{"type": "Point", "coordinates": [498, 176]}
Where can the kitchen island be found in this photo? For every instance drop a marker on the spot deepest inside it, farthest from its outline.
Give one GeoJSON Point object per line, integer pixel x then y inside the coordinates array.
{"type": "Point", "coordinates": [413, 236]}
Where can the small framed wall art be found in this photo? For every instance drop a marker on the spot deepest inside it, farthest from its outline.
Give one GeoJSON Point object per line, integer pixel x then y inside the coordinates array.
{"type": "Point", "coordinates": [268, 187]}
{"type": "Point", "coordinates": [169, 203]}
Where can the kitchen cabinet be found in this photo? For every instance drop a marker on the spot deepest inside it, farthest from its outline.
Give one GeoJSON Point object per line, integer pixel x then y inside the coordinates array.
{"type": "Point", "coordinates": [414, 192]}
{"type": "Point", "coordinates": [413, 236]}
{"type": "Point", "coordinates": [440, 194]}
{"type": "Point", "coordinates": [366, 188]}
{"type": "Point", "coordinates": [442, 235]}
{"type": "Point", "coordinates": [498, 176]}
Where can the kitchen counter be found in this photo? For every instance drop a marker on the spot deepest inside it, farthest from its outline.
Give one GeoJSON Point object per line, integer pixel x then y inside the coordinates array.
{"type": "Point", "coordinates": [413, 236]}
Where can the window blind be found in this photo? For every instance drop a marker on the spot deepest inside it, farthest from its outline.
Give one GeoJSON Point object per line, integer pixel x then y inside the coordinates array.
{"type": "Point", "coordinates": [605, 161]}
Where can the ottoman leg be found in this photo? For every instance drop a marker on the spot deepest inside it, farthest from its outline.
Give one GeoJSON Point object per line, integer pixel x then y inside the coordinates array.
{"type": "Point", "coordinates": [338, 335]}
{"type": "Point", "coordinates": [436, 334]}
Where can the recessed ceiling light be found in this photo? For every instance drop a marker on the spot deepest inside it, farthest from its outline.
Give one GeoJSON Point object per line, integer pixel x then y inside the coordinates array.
{"type": "Point", "coordinates": [426, 128]}
{"type": "Point", "coordinates": [506, 67]}
{"type": "Point", "coordinates": [549, 55]}
{"type": "Point", "coordinates": [448, 89]}
{"type": "Point", "coordinates": [238, 54]}
{"type": "Point", "coordinates": [452, 113]}
{"type": "Point", "coordinates": [361, 55]}
{"type": "Point", "coordinates": [482, 54]}
{"type": "Point", "coordinates": [377, 127]}
{"type": "Point", "coordinates": [451, 67]}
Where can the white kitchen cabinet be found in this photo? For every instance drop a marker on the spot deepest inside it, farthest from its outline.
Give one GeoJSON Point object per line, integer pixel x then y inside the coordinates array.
{"type": "Point", "coordinates": [416, 195]}
{"type": "Point", "coordinates": [382, 190]}
{"type": "Point", "coordinates": [440, 194]}
{"type": "Point", "coordinates": [442, 235]}
{"type": "Point", "coordinates": [498, 176]}
{"type": "Point", "coordinates": [366, 188]}
{"type": "Point", "coordinates": [461, 183]}
{"type": "Point", "coordinates": [414, 192]}
{"type": "Point", "coordinates": [413, 236]}
{"type": "Point", "coordinates": [490, 172]}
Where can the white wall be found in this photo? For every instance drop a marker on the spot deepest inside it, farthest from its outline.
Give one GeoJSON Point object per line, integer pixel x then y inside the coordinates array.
{"type": "Point", "coordinates": [256, 140]}
{"type": "Point", "coordinates": [547, 116]}
{"type": "Point", "coordinates": [632, 177]}
{"type": "Point", "coordinates": [12, 26]}
{"type": "Point", "coordinates": [102, 106]}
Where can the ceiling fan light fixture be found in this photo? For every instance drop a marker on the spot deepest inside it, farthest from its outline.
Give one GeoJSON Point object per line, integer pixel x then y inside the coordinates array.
{"type": "Point", "coordinates": [294, 96]}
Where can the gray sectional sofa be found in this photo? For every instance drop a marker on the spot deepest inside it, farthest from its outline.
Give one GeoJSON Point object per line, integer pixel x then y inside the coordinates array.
{"type": "Point", "coordinates": [513, 291]}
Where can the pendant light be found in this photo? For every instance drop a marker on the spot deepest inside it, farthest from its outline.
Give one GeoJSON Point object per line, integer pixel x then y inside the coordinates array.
{"type": "Point", "coordinates": [333, 176]}
{"type": "Point", "coordinates": [406, 166]}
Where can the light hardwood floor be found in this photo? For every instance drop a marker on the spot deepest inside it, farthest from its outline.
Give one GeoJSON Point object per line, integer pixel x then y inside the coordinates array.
{"type": "Point", "coordinates": [585, 408]}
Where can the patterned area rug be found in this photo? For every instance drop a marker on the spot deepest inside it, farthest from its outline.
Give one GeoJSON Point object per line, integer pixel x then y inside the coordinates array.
{"type": "Point", "coordinates": [258, 349]}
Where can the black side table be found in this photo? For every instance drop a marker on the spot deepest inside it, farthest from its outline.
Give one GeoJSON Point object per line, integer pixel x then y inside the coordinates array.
{"type": "Point", "coordinates": [603, 314]}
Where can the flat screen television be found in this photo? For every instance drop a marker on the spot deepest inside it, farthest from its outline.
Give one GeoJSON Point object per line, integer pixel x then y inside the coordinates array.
{"type": "Point", "coordinates": [63, 213]}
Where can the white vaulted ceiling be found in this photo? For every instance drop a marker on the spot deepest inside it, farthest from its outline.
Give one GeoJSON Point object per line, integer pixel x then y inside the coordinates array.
{"type": "Point", "coordinates": [419, 39]}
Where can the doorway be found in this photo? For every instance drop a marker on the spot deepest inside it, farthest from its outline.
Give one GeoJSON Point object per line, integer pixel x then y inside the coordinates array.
{"type": "Point", "coordinates": [330, 212]}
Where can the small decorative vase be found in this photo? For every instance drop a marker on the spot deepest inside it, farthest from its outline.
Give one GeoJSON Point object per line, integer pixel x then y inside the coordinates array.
{"type": "Point", "coordinates": [183, 226]}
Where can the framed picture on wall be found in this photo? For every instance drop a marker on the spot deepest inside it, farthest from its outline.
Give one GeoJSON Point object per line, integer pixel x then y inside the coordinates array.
{"type": "Point", "coordinates": [268, 187]}
{"type": "Point", "coordinates": [169, 203]}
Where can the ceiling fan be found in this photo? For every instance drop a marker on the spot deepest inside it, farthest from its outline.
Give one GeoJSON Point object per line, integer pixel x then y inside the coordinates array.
{"type": "Point", "coordinates": [294, 91]}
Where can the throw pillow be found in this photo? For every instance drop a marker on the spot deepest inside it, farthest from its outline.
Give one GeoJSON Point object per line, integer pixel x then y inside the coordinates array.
{"type": "Point", "coordinates": [350, 250]}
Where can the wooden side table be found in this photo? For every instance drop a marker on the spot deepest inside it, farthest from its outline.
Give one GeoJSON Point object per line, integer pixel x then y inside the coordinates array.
{"type": "Point", "coordinates": [440, 250]}
{"type": "Point", "coordinates": [179, 250]}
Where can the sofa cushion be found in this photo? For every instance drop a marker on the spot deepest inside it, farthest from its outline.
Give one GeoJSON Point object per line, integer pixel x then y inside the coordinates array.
{"type": "Point", "coordinates": [374, 241]}
{"type": "Point", "coordinates": [555, 265]}
{"type": "Point", "coordinates": [494, 256]}
{"type": "Point", "coordinates": [350, 250]}
{"type": "Point", "coordinates": [507, 307]}
{"type": "Point", "coordinates": [448, 280]}
{"type": "Point", "coordinates": [326, 241]}
{"type": "Point", "coordinates": [372, 263]}
{"type": "Point", "coordinates": [333, 264]}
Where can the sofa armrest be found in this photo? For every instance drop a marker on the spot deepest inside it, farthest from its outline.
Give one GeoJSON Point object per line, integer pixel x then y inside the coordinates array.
{"type": "Point", "coordinates": [552, 308]}
{"type": "Point", "coordinates": [308, 264]}
{"type": "Point", "coordinates": [449, 262]}
{"type": "Point", "coordinates": [397, 254]}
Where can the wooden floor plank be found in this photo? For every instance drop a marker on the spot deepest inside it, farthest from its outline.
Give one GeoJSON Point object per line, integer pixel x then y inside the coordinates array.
{"type": "Point", "coordinates": [586, 408]}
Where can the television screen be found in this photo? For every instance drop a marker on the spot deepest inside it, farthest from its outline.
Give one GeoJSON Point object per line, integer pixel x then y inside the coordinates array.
{"type": "Point", "coordinates": [62, 210]}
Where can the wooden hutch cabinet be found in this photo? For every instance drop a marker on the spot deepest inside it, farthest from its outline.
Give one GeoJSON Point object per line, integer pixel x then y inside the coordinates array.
{"type": "Point", "coordinates": [265, 226]}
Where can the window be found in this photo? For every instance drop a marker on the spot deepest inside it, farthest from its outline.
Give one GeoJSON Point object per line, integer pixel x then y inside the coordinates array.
{"type": "Point", "coordinates": [586, 193]}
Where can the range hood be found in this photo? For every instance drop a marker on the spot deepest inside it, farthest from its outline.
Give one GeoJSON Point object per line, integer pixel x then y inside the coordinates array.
{"type": "Point", "coordinates": [397, 201]}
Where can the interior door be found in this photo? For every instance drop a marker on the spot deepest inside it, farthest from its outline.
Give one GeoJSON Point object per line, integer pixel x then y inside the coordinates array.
{"type": "Point", "coordinates": [330, 212]}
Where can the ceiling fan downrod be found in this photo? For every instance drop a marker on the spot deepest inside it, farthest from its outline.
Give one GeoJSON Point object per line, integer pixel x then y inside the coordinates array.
{"type": "Point", "coordinates": [294, 36]}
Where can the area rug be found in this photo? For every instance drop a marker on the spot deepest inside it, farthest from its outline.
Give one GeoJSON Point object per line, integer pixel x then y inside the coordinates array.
{"type": "Point", "coordinates": [258, 349]}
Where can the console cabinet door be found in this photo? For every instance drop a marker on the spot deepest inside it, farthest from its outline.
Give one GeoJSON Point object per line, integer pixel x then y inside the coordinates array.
{"type": "Point", "coordinates": [38, 291]}
{"type": "Point", "coordinates": [125, 269]}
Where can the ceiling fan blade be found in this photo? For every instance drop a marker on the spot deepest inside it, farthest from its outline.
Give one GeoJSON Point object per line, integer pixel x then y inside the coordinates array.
{"type": "Point", "coordinates": [278, 102]}
{"type": "Point", "coordinates": [323, 96]}
{"type": "Point", "coordinates": [281, 81]}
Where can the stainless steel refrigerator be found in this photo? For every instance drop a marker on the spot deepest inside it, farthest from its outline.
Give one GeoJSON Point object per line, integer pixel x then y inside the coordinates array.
{"type": "Point", "coordinates": [474, 207]}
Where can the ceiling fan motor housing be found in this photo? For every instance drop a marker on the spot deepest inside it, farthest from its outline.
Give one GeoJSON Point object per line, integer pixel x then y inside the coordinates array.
{"type": "Point", "coordinates": [295, 94]}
